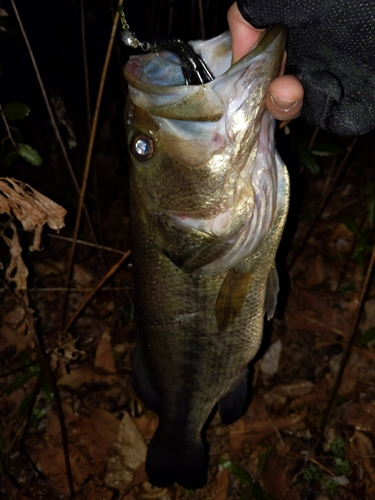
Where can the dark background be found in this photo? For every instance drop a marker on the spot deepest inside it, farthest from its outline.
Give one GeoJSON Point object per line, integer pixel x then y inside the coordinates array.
{"type": "Point", "coordinates": [54, 29]}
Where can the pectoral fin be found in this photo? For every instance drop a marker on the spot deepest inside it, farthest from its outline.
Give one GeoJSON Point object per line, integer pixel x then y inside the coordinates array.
{"type": "Point", "coordinates": [231, 297]}
{"type": "Point", "coordinates": [270, 300]}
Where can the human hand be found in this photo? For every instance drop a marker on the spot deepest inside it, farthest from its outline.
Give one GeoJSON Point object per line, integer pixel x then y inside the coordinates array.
{"type": "Point", "coordinates": [285, 94]}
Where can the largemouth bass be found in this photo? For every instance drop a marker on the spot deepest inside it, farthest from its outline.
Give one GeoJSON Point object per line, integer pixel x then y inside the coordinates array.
{"type": "Point", "coordinates": [209, 199]}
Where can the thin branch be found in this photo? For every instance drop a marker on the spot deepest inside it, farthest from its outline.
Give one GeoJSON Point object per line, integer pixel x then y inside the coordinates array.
{"type": "Point", "coordinates": [313, 138]}
{"type": "Point", "coordinates": [89, 152]}
{"type": "Point", "coordinates": [349, 345]}
{"type": "Point", "coordinates": [86, 243]}
{"type": "Point", "coordinates": [99, 285]}
{"type": "Point", "coordinates": [60, 413]}
{"type": "Point", "coordinates": [77, 290]}
{"type": "Point", "coordinates": [323, 203]}
{"type": "Point", "coordinates": [51, 116]}
{"type": "Point", "coordinates": [85, 68]}
{"type": "Point", "coordinates": [9, 133]}
{"type": "Point", "coordinates": [201, 19]}
{"type": "Point", "coordinates": [350, 255]}
{"type": "Point", "coordinates": [36, 390]}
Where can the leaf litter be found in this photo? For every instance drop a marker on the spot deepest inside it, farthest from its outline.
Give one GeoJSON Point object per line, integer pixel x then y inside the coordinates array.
{"type": "Point", "coordinates": [274, 451]}
{"type": "Point", "coordinates": [108, 428]}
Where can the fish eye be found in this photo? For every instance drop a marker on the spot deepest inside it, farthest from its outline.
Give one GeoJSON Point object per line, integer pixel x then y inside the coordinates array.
{"type": "Point", "coordinates": [143, 147]}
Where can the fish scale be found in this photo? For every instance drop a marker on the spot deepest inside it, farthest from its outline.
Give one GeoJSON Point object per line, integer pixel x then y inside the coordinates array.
{"type": "Point", "coordinates": [203, 263]}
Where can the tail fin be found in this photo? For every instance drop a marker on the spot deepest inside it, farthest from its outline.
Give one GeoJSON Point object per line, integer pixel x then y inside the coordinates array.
{"type": "Point", "coordinates": [186, 466]}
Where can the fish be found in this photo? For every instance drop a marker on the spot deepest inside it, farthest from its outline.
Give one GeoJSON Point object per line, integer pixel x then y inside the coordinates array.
{"type": "Point", "coordinates": [209, 197]}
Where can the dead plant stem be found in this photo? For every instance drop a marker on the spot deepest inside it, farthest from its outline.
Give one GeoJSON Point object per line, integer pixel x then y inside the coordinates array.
{"type": "Point", "coordinates": [313, 138]}
{"type": "Point", "coordinates": [78, 290]}
{"type": "Point", "coordinates": [7, 129]}
{"type": "Point", "coordinates": [86, 243]}
{"type": "Point", "coordinates": [93, 292]}
{"type": "Point", "coordinates": [349, 344]}
{"type": "Point", "coordinates": [89, 153]}
{"type": "Point", "coordinates": [60, 413]}
{"type": "Point", "coordinates": [85, 67]}
{"type": "Point", "coordinates": [49, 110]}
{"type": "Point", "coordinates": [323, 203]}
{"type": "Point", "coordinates": [201, 19]}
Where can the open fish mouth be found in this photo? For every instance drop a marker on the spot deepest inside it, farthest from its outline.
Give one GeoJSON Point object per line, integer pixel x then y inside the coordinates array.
{"type": "Point", "coordinates": [149, 74]}
{"type": "Point", "coordinates": [221, 124]}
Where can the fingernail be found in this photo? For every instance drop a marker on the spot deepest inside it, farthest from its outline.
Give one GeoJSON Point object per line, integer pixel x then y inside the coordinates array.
{"type": "Point", "coordinates": [282, 104]}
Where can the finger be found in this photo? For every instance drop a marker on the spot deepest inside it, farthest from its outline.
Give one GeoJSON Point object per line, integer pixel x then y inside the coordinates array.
{"type": "Point", "coordinates": [244, 36]}
{"type": "Point", "coordinates": [285, 97]}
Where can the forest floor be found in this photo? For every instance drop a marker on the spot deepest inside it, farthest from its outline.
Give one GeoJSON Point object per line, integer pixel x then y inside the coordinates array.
{"type": "Point", "coordinates": [71, 425]}
{"type": "Point", "coordinates": [70, 394]}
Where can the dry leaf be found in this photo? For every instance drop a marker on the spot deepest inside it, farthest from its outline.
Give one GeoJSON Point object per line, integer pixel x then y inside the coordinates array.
{"type": "Point", "coordinates": [17, 270]}
{"type": "Point", "coordinates": [104, 358]}
{"type": "Point", "coordinates": [129, 452]}
{"type": "Point", "coordinates": [361, 416]}
{"type": "Point", "coordinates": [343, 239]}
{"type": "Point", "coordinates": [369, 315]}
{"type": "Point", "coordinates": [297, 388]}
{"type": "Point", "coordinates": [150, 492]}
{"type": "Point", "coordinates": [86, 375]}
{"type": "Point", "coordinates": [362, 447]}
{"type": "Point", "coordinates": [30, 207]}
{"type": "Point", "coordinates": [220, 490]}
{"type": "Point", "coordinates": [101, 493]}
{"type": "Point", "coordinates": [89, 438]}
{"type": "Point", "coordinates": [147, 424]}
{"type": "Point", "coordinates": [276, 480]}
{"type": "Point", "coordinates": [82, 277]}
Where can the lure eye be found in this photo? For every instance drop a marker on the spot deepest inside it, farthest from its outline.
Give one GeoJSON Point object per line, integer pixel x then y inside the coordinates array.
{"type": "Point", "coordinates": [143, 147]}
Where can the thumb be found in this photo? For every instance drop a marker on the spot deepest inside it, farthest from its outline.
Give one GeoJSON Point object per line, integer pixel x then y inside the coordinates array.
{"type": "Point", "coordinates": [244, 36]}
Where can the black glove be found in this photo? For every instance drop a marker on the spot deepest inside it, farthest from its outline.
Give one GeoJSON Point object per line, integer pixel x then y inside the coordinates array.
{"type": "Point", "coordinates": [331, 47]}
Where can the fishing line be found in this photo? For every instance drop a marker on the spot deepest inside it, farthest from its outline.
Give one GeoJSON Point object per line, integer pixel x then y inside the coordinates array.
{"type": "Point", "coordinates": [195, 70]}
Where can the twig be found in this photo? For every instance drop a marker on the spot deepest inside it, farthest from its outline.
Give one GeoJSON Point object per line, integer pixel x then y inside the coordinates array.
{"type": "Point", "coordinates": [29, 416]}
{"type": "Point", "coordinates": [86, 243]}
{"type": "Point", "coordinates": [60, 413]}
{"type": "Point", "coordinates": [323, 203]}
{"type": "Point", "coordinates": [77, 290]}
{"type": "Point", "coordinates": [9, 133]}
{"type": "Point", "coordinates": [85, 68]}
{"type": "Point", "coordinates": [349, 345]}
{"type": "Point", "coordinates": [89, 152]}
{"type": "Point", "coordinates": [49, 370]}
{"type": "Point", "coordinates": [201, 19]}
{"type": "Point", "coordinates": [88, 119]}
{"type": "Point", "coordinates": [321, 466]}
{"type": "Point", "coordinates": [313, 138]}
{"type": "Point", "coordinates": [49, 110]}
{"type": "Point", "coordinates": [99, 285]}
{"type": "Point", "coordinates": [350, 255]}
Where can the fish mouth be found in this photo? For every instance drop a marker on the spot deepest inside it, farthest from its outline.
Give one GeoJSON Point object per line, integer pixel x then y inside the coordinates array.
{"type": "Point", "coordinates": [157, 82]}
{"type": "Point", "coordinates": [214, 151]}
